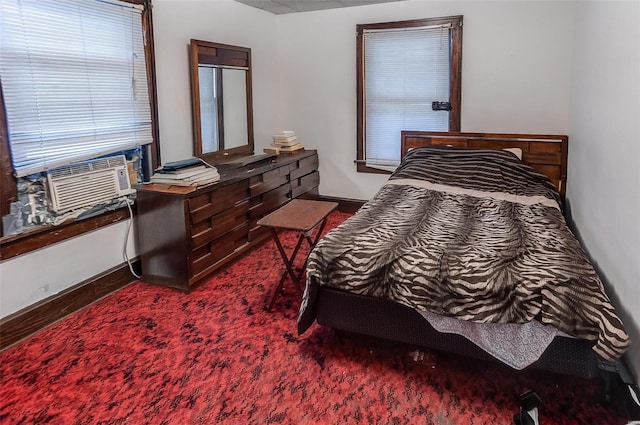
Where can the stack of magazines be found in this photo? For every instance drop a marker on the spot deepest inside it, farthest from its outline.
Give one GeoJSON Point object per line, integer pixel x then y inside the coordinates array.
{"type": "Point", "coordinates": [186, 173]}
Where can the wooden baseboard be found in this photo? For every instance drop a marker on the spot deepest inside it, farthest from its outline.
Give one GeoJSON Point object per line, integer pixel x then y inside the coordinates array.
{"type": "Point", "coordinates": [344, 204]}
{"type": "Point", "coordinates": [29, 320]}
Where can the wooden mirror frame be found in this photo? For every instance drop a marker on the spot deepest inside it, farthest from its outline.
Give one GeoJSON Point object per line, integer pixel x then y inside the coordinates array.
{"type": "Point", "coordinates": [223, 55]}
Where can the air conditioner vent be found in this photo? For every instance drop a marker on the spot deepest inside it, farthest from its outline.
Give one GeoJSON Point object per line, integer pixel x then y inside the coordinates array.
{"type": "Point", "coordinates": [88, 183]}
{"type": "Point", "coordinates": [88, 166]}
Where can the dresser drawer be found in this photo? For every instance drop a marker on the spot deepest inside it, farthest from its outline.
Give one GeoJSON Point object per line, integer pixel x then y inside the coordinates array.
{"type": "Point", "coordinates": [270, 201]}
{"type": "Point", "coordinates": [207, 204]}
{"type": "Point", "coordinates": [269, 180]}
{"type": "Point", "coordinates": [262, 205]}
{"type": "Point", "coordinates": [256, 231]}
{"type": "Point", "coordinates": [304, 166]}
{"type": "Point", "coordinates": [216, 250]}
{"type": "Point", "coordinates": [305, 184]}
{"type": "Point", "coordinates": [217, 225]}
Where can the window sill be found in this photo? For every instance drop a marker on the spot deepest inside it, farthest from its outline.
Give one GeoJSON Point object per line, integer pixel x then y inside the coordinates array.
{"type": "Point", "coordinates": [362, 168]}
{"type": "Point", "coordinates": [40, 237]}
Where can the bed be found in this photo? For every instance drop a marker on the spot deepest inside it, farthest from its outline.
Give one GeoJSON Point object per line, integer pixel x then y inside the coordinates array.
{"type": "Point", "coordinates": [585, 335]}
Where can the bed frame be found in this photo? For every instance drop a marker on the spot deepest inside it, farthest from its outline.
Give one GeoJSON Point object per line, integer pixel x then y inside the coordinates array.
{"type": "Point", "coordinates": [385, 319]}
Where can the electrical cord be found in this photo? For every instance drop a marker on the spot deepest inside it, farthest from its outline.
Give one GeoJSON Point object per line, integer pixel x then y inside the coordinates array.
{"type": "Point", "coordinates": [126, 239]}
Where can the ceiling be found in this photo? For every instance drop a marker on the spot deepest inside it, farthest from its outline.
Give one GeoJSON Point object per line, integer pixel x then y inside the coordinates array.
{"type": "Point", "coordinates": [280, 7]}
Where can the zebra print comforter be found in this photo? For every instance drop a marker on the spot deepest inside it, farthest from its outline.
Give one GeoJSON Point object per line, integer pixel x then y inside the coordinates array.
{"type": "Point", "coordinates": [471, 234]}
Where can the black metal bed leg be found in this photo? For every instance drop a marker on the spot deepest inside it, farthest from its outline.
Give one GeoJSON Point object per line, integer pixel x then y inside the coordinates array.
{"type": "Point", "coordinates": [528, 414]}
{"type": "Point", "coordinates": [620, 389]}
{"type": "Point", "coordinates": [634, 396]}
{"type": "Point", "coordinates": [607, 379]}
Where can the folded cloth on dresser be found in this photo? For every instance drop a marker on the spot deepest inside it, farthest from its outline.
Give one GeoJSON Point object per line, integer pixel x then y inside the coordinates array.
{"type": "Point", "coordinates": [472, 234]}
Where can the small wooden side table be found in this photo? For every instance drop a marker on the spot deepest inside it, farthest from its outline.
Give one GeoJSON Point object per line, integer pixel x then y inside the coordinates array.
{"type": "Point", "coordinates": [301, 216]}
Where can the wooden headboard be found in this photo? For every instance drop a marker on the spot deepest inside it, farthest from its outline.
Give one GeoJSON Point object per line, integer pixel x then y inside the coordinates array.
{"type": "Point", "coordinates": [545, 153]}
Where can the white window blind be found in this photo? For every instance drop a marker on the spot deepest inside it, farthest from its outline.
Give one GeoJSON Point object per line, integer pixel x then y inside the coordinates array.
{"type": "Point", "coordinates": [74, 80]}
{"type": "Point", "coordinates": [405, 71]}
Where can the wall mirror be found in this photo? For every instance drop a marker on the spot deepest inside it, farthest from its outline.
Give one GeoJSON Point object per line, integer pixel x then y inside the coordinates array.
{"type": "Point", "coordinates": [221, 100]}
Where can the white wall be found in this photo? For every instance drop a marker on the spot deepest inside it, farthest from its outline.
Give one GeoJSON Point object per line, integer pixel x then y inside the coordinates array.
{"type": "Point", "coordinates": [175, 23]}
{"type": "Point", "coordinates": [30, 278]}
{"type": "Point", "coordinates": [603, 186]}
{"type": "Point", "coordinates": [516, 66]}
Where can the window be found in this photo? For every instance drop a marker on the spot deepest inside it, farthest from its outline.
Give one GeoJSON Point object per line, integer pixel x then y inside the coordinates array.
{"type": "Point", "coordinates": [77, 83]}
{"type": "Point", "coordinates": [403, 68]}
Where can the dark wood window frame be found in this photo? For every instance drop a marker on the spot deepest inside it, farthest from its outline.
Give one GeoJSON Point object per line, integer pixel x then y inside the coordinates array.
{"type": "Point", "coordinates": [455, 94]}
{"type": "Point", "coordinates": [31, 240]}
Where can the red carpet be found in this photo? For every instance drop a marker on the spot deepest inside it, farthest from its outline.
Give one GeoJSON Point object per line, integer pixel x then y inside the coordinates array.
{"type": "Point", "coordinates": [151, 355]}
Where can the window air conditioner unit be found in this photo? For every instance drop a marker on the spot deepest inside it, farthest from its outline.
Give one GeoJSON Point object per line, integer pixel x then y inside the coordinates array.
{"type": "Point", "coordinates": [88, 183]}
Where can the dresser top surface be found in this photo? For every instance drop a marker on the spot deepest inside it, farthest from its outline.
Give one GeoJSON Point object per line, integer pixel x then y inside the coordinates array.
{"type": "Point", "coordinates": [228, 175]}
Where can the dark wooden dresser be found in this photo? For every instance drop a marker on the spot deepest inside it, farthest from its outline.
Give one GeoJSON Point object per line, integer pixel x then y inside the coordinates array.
{"type": "Point", "coordinates": [185, 234]}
